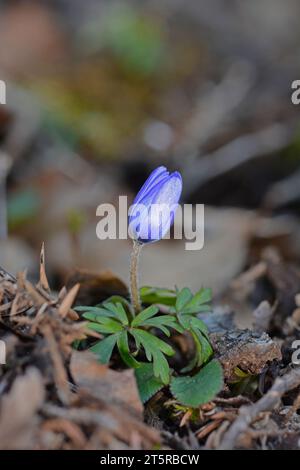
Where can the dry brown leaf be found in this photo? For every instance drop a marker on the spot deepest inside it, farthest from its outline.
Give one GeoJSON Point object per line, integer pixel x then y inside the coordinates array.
{"type": "Point", "coordinates": [104, 383]}
{"type": "Point", "coordinates": [36, 296]}
{"type": "Point", "coordinates": [59, 371]}
{"type": "Point", "coordinates": [18, 419]}
{"type": "Point", "coordinates": [70, 429]}
{"type": "Point", "coordinates": [65, 306]}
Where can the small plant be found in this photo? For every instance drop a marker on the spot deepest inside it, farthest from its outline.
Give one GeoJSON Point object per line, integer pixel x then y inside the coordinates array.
{"type": "Point", "coordinates": [119, 325]}
{"type": "Point", "coordinates": [133, 329]}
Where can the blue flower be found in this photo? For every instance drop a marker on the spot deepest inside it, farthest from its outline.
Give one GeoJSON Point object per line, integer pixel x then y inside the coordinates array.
{"type": "Point", "coordinates": [154, 207]}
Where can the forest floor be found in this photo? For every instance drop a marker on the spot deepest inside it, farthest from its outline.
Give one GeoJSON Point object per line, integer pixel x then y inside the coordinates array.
{"type": "Point", "coordinates": [74, 402]}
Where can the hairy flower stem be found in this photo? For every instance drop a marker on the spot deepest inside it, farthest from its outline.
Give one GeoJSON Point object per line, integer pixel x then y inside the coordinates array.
{"type": "Point", "coordinates": [134, 288]}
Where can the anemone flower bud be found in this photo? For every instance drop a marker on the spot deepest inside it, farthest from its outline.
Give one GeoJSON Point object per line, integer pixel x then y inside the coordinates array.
{"type": "Point", "coordinates": [153, 210]}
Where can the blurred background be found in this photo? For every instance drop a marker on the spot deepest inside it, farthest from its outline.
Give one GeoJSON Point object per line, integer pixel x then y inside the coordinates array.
{"type": "Point", "coordinates": [101, 92]}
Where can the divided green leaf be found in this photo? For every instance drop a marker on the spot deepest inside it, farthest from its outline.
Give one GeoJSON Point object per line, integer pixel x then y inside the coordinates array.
{"type": "Point", "coordinates": [183, 298]}
{"type": "Point", "coordinates": [104, 348]}
{"type": "Point", "coordinates": [124, 351]}
{"type": "Point", "coordinates": [155, 349]}
{"type": "Point", "coordinates": [156, 295]}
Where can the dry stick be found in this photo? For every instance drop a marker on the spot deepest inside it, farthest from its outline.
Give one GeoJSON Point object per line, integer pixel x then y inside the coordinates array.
{"type": "Point", "coordinates": [234, 154]}
{"type": "Point", "coordinates": [283, 192]}
{"type": "Point", "coordinates": [212, 108]}
{"type": "Point", "coordinates": [251, 275]}
{"type": "Point", "coordinates": [106, 417]}
{"type": "Point", "coordinates": [293, 409]}
{"type": "Point", "coordinates": [5, 164]}
{"type": "Point", "coordinates": [248, 414]}
{"type": "Point", "coordinates": [59, 371]}
{"type": "Point", "coordinates": [3, 209]}
{"type": "Point", "coordinates": [5, 274]}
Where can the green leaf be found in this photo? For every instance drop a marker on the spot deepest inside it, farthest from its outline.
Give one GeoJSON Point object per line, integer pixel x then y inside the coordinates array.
{"type": "Point", "coordinates": [144, 315]}
{"type": "Point", "coordinates": [107, 309]}
{"type": "Point", "coordinates": [96, 317]}
{"type": "Point", "coordinates": [154, 349]}
{"type": "Point", "coordinates": [95, 311]}
{"type": "Point", "coordinates": [203, 347]}
{"type": "Point", "coordinates": [118, 310]}
{"type": "Point", "coordinates": [104, 348]}
{"type": "Point", "coordinates": [151, 342]}
{"type": "Point", "coordinates": [147, 383]}
{"type": "Point", "coordinates": [118, 299]}
{"type": "Point", "coordinates": [124, 351]}
{"type": "Point", "coordinates": [201, 388]}
{"type": "Point", "coordinates": [185, 320]}
{"type": "Point", "coordinates": [157, 325]}
{"type": "Point", "coordinates": [155, 295]}
{"type": "Point", "coordinates": [163, 322]}
{"type": "Point", "coordinates": [203, 296]}
{"type": "Point", "coordinates": [197, 303]}
{"type": "Point", "coordinates": [200, 325]}
{"type": "Point", "coordinates": [108, 328]}
{"type": "Point", "coordinates": [83, 308]}
{"type": "Point", "coordinates": [188, 321]}
{"type": "Point", "coordinates": [183, 297]}
{"type": "Point", "coordinates": [196, 309]}
{"type": "Point", "coordinates": [161, 367]}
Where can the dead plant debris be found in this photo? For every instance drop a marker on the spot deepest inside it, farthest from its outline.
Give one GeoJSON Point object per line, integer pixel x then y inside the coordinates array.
{"type": "Point", "coordinates": [54, 397]}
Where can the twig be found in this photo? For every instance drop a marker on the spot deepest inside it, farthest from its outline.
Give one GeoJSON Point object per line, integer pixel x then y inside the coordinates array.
{"type": "Point", "coordinates": [283, 192]}
{"type": "Point", "coordinates": [293, 409]}
{"type": "Point", "coordinates": [5, 165]}
{"type": "Point", "coordinates": [5, 274]}
{"type": "Point", "coordinates": [213, 107]}
{"type": "Point", "coordinates": [59, 371]}
{"type": "Point", "coordinates": [248, 414]}
{"type": "Point", "coordinates": [236, 153]}
{"type": "Point", "coordinates": [233, 401]}
{"type": "Point", "coordinates": [250, 276]}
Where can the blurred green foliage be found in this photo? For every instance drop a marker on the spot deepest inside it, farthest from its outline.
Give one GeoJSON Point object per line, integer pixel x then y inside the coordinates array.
{"type": "Point", "coordinates": [23, 206]}
{"type": "Point", "coordinates": [127, 62]}
{"type": "Point", "coordinates": [75, 220]}
{"type": "Point", "coordinates": [136, 40]}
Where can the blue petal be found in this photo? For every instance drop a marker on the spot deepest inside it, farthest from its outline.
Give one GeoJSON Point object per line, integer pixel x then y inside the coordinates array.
{"type": "Point", "coordinates": [169, 195]}
{"type": "Point", "coordinates": [155, 177]}
{"type": "Point", "coordinates": [154, 223]}
{"type": "Point", "coordinates": [147, 194]}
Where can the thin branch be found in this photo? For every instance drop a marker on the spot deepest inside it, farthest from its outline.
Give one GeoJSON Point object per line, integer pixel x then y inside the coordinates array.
{"type": "Point", "coordinates": [5, 274]}
{"type": "Point", "coordinates": [248, 414]}
{"type": "Point", "coordinates": [234, 154]}
{"type": "Point", "coordinates": [283, 192]}
{"type": "Point", "coordinates": [5, 164]}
